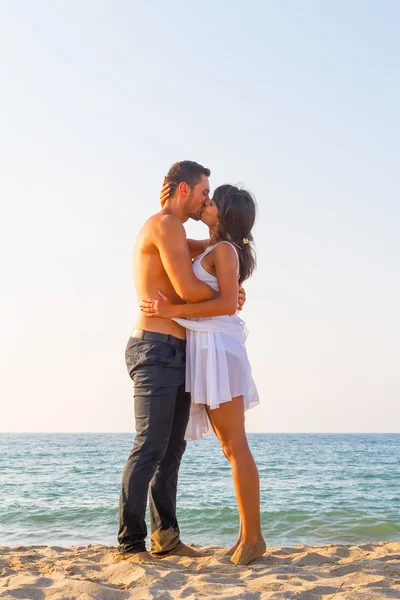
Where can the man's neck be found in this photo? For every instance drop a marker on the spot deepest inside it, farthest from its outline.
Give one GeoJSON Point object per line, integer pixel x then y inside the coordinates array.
{"type": "Point", "coordinates": [171, 207]}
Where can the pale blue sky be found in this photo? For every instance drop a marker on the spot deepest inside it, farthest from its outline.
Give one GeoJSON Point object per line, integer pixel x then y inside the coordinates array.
{"type": "Point", "coordinates": [298, 100]}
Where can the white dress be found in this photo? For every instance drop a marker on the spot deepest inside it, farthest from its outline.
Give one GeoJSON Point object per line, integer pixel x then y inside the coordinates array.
{"type": "Point", "coordinates": [217, 367]}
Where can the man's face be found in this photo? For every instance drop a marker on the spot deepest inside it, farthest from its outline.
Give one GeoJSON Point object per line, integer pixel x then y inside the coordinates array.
{"type": "Point", "coordinates": [198, 198]}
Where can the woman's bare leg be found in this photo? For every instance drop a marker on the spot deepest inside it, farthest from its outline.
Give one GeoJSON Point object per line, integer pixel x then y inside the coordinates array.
{"type": "Point", "coordinates": [236, 544]}
{"type": "Point", "coordinates": [238, 541]}
{"type": "Point", "coordinates": [228, 424]}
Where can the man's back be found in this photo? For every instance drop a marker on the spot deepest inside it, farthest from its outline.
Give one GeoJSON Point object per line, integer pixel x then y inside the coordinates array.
{"type": "Point", "coordinates": [150, 275]}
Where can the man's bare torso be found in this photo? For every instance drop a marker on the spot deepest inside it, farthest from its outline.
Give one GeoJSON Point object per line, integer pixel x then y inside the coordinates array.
{"type": "Point", "coordinates": [149, 276]}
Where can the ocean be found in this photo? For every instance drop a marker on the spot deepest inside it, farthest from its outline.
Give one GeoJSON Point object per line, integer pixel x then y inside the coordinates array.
{"type": "Point", "coordinates": [63, 489]}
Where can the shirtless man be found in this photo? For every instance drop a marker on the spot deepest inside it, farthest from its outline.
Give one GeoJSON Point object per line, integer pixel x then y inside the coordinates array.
{"type": "Point", "coordinates": [155, 358]}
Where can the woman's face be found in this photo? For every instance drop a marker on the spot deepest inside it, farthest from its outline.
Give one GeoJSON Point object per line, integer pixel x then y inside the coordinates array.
{"type": "Point", "coordinates": [209, 216]}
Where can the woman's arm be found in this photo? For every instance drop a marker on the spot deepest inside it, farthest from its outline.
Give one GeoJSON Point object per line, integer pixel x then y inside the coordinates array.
{"type": "Point", "coordinates": [197, 247]}
{"type": "Point", "coordinates": [226, 266]}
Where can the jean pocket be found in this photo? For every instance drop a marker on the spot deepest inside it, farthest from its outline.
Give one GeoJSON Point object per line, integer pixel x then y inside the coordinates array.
{"type": "Point", "coordinates": [164, 358]}
{"type": "Point", "coordinates": [143, 354]}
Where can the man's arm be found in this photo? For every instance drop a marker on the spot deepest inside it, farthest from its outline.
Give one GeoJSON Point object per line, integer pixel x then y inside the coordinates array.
{"type": "Point", "coordinates": [170, 240]}
{"type": "Point", "coordinates": [226, 265]}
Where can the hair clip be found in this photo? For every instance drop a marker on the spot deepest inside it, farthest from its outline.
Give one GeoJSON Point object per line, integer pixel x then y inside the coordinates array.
{"type": "Point", "coordinates": [245, 241]}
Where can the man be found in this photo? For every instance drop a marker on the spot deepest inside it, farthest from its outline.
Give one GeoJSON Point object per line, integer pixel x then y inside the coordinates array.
{"type": "Point", "coordinates": [155, 357]}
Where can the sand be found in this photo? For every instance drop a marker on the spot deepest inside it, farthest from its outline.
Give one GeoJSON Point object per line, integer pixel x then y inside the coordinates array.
{"type": "Point", "coordinates": [305, 573]}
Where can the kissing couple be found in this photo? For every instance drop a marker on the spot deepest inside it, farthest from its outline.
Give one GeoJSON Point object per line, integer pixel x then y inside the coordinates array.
{"type": "Point", "coordinates": [188, 360]}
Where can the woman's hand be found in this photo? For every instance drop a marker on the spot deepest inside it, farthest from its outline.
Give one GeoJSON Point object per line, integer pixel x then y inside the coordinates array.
{"type": "Point", "coordinates": [242, 297]}
{"type": "Point", "coordinates": [160, 307]}
{"type": "Point", "coordinates": [164, 194]}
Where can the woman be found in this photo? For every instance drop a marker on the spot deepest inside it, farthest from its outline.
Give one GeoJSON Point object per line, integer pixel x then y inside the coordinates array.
{"type": "Point", "coordinates": [218, 373]}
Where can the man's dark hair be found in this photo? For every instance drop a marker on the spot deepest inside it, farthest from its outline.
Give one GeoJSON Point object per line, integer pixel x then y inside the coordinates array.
{"type": "Point", "coordinates": [188, 171]}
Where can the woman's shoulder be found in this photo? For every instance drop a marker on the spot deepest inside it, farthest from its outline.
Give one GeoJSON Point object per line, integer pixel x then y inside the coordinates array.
{"type": "Point", "coordinates": [226, 248]}
{"type": "Point", "coordinates": [225, 251]}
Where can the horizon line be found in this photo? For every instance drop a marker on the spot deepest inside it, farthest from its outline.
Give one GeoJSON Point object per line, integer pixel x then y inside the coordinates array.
{"type": "Point", "coordinates": [249, 432]}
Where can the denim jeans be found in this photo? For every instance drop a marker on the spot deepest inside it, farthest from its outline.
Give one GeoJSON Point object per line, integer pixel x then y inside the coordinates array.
{"type": "Point", "coordinates": [162, 409]}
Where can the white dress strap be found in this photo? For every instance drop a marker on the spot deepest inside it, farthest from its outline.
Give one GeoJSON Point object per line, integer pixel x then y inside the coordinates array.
{"type": "Point", "coordinates": [206, 251]}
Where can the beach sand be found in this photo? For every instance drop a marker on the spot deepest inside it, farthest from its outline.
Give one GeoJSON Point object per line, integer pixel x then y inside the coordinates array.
{"type": "Point", "coordinates": [364, 571]}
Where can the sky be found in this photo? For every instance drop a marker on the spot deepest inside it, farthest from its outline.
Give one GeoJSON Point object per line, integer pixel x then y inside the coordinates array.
{"type": "Point", "coordinates": [298, 101]}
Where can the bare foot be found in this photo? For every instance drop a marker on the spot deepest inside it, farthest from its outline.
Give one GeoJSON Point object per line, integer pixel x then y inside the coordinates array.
{"type": "Point", "coordinates": [245, 554]}
{"type": "Point", "coordinates": [139, 557]}
{"type": "Point", "coordinates": [231, 550]}
{"type": "Point", "coordinates": [182, 550]}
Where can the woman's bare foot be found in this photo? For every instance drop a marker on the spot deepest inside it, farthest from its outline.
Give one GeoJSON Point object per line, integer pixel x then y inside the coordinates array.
{"type": "Point", "coordinates": [245, 554]}
{"type": "Point", "coordinates": [233, 549]}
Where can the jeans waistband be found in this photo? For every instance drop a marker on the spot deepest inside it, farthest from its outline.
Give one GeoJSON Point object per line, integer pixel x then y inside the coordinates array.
{"type": "Point", "coordinates": [164, 338]}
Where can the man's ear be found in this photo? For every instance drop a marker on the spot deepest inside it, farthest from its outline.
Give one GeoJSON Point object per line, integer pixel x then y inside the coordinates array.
{"type": "Point", "coordinates": [183, 188]}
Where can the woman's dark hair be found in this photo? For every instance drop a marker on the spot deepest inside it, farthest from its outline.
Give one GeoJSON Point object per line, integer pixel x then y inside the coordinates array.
{"type": "Point", "coordinates": [236, 217]}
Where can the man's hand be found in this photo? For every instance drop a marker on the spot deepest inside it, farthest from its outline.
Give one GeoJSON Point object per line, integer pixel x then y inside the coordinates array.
{"type": "Point", "coordinates": [241, 298]}
{"type": "Point", "coordinates": [165, 191]}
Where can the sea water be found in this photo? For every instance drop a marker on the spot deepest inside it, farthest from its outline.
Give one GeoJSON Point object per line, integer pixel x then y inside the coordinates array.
{"type": "Point", "coordinates": [63, 489]}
